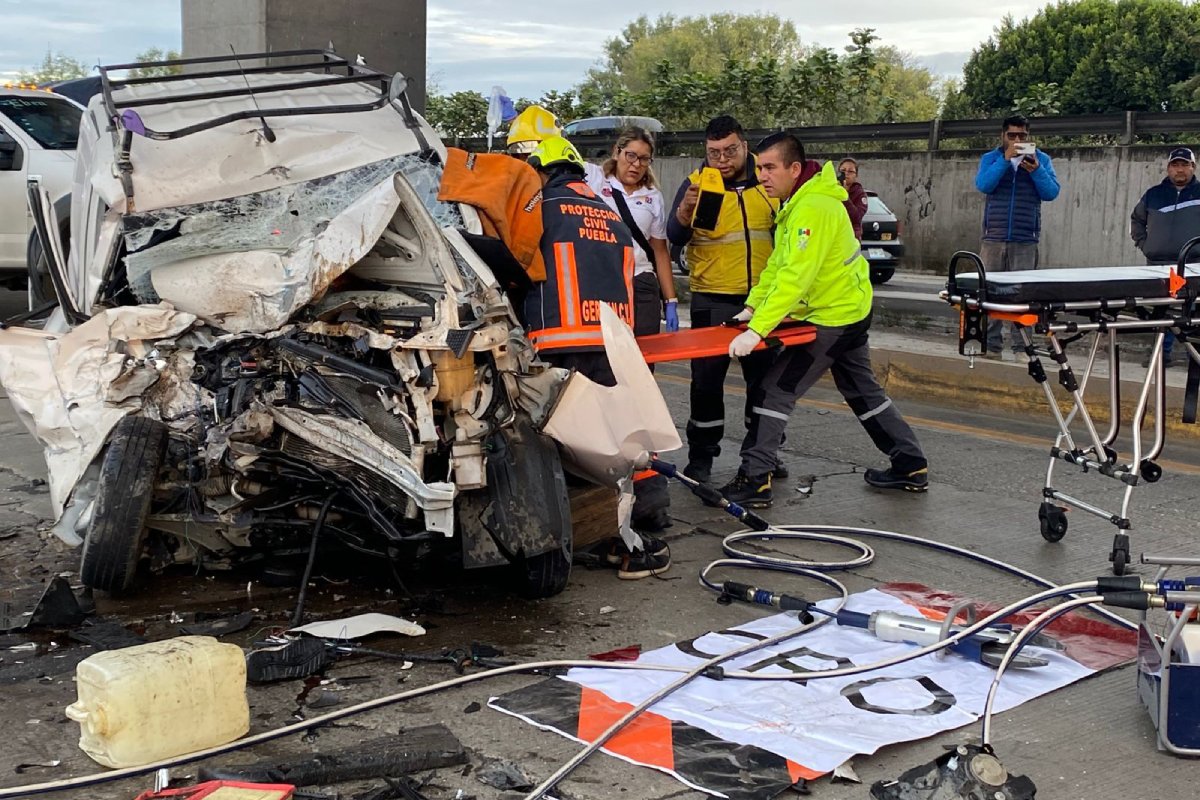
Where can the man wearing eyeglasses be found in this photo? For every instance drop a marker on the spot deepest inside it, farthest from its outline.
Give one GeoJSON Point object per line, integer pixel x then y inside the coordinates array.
{"type": "Point", "coordinates": [1017, 178]}
{"type": "Point", "coordinates": [724, 265]}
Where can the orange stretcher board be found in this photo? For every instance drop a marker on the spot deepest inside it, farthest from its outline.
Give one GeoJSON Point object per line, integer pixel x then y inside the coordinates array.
{"type": "Point", "coordinates": [700, 342]}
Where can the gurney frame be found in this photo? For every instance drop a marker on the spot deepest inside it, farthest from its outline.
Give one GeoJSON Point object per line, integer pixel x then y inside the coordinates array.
{"type": "Point", "coordinates": [1062, 324]}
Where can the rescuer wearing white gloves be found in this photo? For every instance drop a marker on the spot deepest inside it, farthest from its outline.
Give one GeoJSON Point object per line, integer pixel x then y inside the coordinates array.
{"type": "Point", "coordinates": [815, 274]}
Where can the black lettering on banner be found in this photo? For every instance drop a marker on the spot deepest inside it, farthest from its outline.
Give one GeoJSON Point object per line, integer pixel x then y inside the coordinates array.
{"type": "Point", "coordinates": [690, 648]}
{"type": "Point", "coordinates": [942, 699]}
{"type": "Point", "coordinates": [784, 660]}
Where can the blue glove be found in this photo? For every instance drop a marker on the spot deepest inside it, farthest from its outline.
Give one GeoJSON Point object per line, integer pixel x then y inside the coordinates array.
{"type": "Point", "coordinates": [672, 311]}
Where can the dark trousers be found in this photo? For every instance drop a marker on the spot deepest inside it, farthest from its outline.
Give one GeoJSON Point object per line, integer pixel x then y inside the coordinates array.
{"type": "Point", "coordinates": [647, 304]}
{"type": "Point", "coordinates": [844, 352]}
{"type": "Point", "coordinates": [706, 424]}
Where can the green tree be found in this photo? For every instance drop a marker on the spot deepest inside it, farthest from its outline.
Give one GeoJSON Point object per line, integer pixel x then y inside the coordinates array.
{"type": "Point", "coordinates": [155, 54]}
{"type": "Point", "coordinates": [54, 67]}
{"type": "Point", "coordinates": [692, 44]}
{"type": "Point", "coordinates": [1090, 56]}
{"type": "Point", "coordinates": [458, 114]}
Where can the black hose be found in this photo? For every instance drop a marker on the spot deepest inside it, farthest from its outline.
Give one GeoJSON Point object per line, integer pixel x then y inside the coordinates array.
{"type": "Point", "coordinates": [312, 558]}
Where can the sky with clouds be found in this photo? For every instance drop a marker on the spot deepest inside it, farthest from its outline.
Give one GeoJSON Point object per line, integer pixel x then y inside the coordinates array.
{"type": "Point", "coordinates": [473, 44]}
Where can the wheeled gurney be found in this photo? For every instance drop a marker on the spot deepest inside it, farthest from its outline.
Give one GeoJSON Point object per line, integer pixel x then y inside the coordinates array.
{"type": "Point", "coordinates": [1063, 306]}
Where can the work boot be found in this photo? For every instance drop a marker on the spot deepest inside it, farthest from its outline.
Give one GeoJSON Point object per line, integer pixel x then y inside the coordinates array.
{"type": "Point", "coordinates": [890, 478]}
{"type": "Point", "coordinates": [699, 470]}
{"type": "Point", "coordinates": [617, 548]}
{"type": "Point", "coordinates": [780, 473]}
{"type": "Point", "coordinates": [654, 558]}
{"type": "Point", "coordinates": [749, 491]}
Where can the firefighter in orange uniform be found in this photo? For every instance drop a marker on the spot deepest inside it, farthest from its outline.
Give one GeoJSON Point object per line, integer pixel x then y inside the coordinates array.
{"type": "Point", "coordinates": [588, 252]}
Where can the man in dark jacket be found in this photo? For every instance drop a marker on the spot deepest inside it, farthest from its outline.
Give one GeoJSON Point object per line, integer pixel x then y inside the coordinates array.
{"type": "Point", "coordinates": [1017, 178]}
{"type": "Point", "coordinates": [856, 203]}
{"type": "Point", "coordinates": [1166, 217]}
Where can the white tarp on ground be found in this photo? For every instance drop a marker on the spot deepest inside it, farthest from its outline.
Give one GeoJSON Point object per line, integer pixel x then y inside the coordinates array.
{"type": "Point", "coordinates": [820, 724]}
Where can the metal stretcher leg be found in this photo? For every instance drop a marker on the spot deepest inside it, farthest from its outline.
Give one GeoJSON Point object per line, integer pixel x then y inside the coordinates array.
{"type": "Point", "coordinates": [1100, 456]}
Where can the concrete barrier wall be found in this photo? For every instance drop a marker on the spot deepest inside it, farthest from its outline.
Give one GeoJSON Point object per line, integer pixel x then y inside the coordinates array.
{"type": "Point", "coordinates": [934, 196]}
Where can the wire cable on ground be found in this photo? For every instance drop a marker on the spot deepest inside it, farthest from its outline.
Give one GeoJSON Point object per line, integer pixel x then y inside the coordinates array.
{"type": "Point", "coordinates": [739, 558]}
{"type": "Point", "coordinates": [812, 569]}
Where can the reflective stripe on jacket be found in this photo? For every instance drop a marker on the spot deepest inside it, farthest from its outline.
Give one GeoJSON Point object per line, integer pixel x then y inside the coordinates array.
{"type": "Point", "coordinates": [817, 272]}
{"type": "Point", "coordinates": [588, 253]}
{"type": "Point", "coordinates": [729, 259]}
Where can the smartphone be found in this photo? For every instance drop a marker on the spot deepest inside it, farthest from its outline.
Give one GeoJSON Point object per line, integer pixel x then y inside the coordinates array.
{"type": "Point", "coordinates": [1026, 148]}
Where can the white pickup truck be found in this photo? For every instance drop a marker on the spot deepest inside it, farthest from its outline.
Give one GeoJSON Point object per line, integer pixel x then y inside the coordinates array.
{"type": "Point", "coordinates": [38, 133]}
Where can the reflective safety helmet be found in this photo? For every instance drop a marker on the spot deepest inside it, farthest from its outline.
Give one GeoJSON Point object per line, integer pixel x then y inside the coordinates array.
{"type": "Point", "coordinates": [530, 127]}
{"type": "Point", "coordinates": [556, 151]}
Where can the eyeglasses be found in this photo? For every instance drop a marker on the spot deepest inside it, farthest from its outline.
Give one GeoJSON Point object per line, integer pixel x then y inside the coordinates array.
{"type": "Point", "coordinates": [727, 154]}
{"type": "Point", "coordinates": [632, 158]}
{"type": "Point", "coordinates": [1018, 135]}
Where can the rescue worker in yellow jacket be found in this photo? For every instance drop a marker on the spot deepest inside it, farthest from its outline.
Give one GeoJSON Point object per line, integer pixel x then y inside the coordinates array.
{"type": "Point", "coordinates": [816, 274]}
{"type": "Point", "coordinates": [588, 251]}
{"type": "Point", "coordinates": [724, 264]}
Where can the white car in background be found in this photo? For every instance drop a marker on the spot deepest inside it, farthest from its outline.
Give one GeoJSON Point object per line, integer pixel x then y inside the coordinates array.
{"type": "Point", "coordinates": [38, 135]}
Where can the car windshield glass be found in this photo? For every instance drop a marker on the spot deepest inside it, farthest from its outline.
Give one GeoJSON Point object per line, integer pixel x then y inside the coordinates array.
{"type": "Point", "coordinates": [50, 121]}
{"type": "Point", "coordinates": [877, 206]}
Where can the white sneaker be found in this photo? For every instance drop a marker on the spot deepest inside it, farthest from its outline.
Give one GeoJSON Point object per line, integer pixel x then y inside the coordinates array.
{"type": "Point", "coordinates": [1008, 355]}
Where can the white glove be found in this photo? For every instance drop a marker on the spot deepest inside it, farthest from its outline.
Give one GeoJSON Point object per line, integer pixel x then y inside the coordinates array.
{"type": "Point", "coordinates": [743, 344]}
{"type": "Point", "coordinates": [744, 315]}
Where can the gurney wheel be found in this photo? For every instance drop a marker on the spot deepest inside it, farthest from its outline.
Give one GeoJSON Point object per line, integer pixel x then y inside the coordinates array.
{"type": "Point", "coordinates": [1052, 520]}
{"type": "Point", "coordinates": [1120, 554]}
{"type": "Point", "coordinates": [1150, 471]}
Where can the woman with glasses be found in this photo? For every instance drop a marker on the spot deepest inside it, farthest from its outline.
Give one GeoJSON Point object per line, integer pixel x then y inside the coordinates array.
{"type": "Point", "coordinates": [626, 183]}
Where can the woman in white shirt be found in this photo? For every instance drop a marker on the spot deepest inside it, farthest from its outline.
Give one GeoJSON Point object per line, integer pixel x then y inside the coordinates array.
{"type": "Point", "coordinates": [626, 179]}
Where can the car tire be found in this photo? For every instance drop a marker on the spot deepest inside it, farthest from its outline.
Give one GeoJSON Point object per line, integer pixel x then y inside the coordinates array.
{"type": "Point", "coordinates": [545, 575]}
{"type": "Point", "coordinates": [882, 276]}
{"type": "Point", "coordinates": [523, 517]}
{"type": "Point", "coordinates": [116, 533]}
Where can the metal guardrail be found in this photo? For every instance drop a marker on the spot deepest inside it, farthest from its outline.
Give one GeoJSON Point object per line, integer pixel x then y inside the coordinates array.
{"type": "Point", "coordinates": [1127, 126]}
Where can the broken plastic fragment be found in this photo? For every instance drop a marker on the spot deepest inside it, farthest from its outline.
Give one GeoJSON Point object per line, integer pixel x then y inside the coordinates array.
{"type": "Point", "coordinates": [359, 626]}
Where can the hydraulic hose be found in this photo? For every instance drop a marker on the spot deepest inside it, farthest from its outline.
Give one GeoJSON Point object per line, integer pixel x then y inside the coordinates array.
{"type": "Point", "coordinates": [1027, 633]}
{"type": "Point", "coordinates": [837, 535]}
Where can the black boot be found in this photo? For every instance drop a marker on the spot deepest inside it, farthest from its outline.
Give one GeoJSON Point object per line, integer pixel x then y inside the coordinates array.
{"type": "Point", "coordinates": [749, 491]}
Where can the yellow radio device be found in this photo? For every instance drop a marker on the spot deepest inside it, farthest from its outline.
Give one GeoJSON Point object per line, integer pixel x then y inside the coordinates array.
{"type": "Point", "coordinates": [712, 194]}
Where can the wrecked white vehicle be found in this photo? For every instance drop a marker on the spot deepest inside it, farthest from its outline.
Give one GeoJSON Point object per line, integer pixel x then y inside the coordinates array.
{"type": "Point", "coordinates": [271, 330]}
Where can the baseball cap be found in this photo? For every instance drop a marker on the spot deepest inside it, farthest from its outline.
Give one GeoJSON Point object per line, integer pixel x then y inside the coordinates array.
{"type": "Point", "coordinates": [1182, 154]}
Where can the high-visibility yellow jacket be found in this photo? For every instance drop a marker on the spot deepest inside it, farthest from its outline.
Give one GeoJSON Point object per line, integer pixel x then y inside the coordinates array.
{"type": "Point", "coordinates": [817, 272]}
{"type": "Point", "coordinates": [729, 259]}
